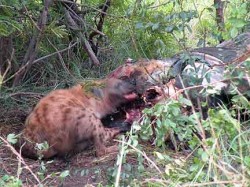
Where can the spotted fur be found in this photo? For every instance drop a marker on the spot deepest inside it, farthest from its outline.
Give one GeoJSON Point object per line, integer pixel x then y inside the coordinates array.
{"type": "Point", "coordinates": [69, 119]}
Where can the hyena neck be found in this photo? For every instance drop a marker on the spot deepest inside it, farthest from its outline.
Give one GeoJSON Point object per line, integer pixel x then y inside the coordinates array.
{"type": "Point", "coordinates": [101, 99]}
{"type": "Point", "coordinates": [105, 105]}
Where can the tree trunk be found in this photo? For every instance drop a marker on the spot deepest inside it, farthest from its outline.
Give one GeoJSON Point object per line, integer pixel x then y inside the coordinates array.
{"type": "Point", "coordinates": [5, 53]}
{"type": "Point", "coordinates": [219, 6]}
{"type": "Point", "coordinates": [33, 45]}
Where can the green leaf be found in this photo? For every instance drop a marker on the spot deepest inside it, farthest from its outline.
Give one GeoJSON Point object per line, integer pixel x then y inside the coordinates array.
{"type": "Point", "coordinates": [194, 167]}
{"type": "Point", "coordinates": [139, 25]}
{"type": "Point", "coordinates": [128, 167]}
{"type": "Point", "coordinates": [158, 122]}
{"type": "Point", "coordinates": [5, 177]}
{"type": "Point", "coordinates": [240, 23]}
{"type": "Point", "coordinates": [183, 15]}
{"type": "Point", "coordinates": [175, 111]}
{"type": "Point", "coordinates": [237, 22]}
{"type": "Point", "coordinates": [159, 155]}
{"type": "Point", "coordinates": [209, 9]}
{"type": "Point", "coordinates": [64, 174]}
{"type": "Point", "coordinates": [234, 32]}
{"type": "Point", "coordinates": [170, 28]}
{"type": "Point", "coordinates": [12, 138]}
{"type": "Point", "coordinates": [204, 157]}
{"type": "Point", "coordinates": [185, 101]}
{"type": "Point", "coordinates": [155, 26]}
{"type": "Point", "coordinates": [141, 168]}
{"type": "Point", "coordinates": [135, 142]}
{"type": "Point", "coordinates": [211, 91]}
{"type": "Point", "coordinates": [170, 123]}
{"type": "Point", "coordinates": [42, 146]}
{"type": "Point", "coordinates": [247, 160]}
{"type": "Point", "coordinates": [136, 126]}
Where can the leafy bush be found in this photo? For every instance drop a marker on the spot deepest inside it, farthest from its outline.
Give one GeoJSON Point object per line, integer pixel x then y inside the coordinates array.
{"type": "Point", "coordinates": [210, 151]}
{"type": "Point", "coordinates": [10, 181]}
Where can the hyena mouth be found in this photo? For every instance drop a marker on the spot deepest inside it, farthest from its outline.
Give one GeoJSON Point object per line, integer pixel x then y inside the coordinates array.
{"type": "Point", "coordinates": [132, 110]}
{"type": "Point", "coordinates": [131, 96]}
{"type": "Point", "coordinates": [152, 94]}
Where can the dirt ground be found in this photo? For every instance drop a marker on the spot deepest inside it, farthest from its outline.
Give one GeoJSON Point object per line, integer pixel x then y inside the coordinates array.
{"type": "Point", "coordinates": [84, 168]}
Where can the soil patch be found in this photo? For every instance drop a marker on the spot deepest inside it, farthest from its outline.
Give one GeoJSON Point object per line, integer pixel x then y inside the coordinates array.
{"type": "Point", "coordinates": [84, 168]}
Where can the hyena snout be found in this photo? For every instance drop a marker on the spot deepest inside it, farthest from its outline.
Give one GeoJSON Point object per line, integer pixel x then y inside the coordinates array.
{"type": "Point", "coordinates": [123, 90]}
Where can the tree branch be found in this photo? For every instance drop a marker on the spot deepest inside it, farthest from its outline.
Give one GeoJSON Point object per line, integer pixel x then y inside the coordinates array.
{"type": "Point", "coordinates": [74, 26]}
{"type": "Point", "coordinates": [99, 26]}
{"type": "Point", "coordinates": [38, 60]}
{"type": "Point", "coordinates": [32, 48]}
{"type": "Point", "coordinates": [219, 6]}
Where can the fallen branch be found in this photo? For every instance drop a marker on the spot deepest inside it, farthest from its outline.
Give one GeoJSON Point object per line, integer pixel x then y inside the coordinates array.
{"type": "Point", "coordinates": [26, 93]}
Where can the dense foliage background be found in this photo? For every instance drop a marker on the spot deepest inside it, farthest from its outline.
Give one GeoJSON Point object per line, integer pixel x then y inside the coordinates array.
{"type": "Point", "coordinates": [54, 40]}
{"type": "Point", "coordinates": [54, 43]}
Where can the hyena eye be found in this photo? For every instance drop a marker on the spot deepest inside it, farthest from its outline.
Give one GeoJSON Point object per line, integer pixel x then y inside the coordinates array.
{"type": "Point", "coordinates": [124, 78]}
{"type": "Point", "coordinates": [119, 85]}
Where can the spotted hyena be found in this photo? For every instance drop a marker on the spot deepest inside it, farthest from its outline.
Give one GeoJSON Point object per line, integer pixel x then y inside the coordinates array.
{"type": "Point", "coordinates": [69, 119]}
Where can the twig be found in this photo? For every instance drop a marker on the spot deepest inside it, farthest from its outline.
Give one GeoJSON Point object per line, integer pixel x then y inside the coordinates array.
{"type": "Point", "coordinates": [39, 59]}
{"type": "Point", "coordinates": [193, 184]}
{"type": "Point", "coordinates": [204, 85]}
{"type": "Point", "coordinates": [20, 158]}
{"type": "Point", "coordinates": [30, 17]}
{"type": "Point", "coordinates": [163, 182]}
{"type": "Point", "coordinates": [203, 135]}
{"type": "Point", "coordinates": [143, 154]}
{"type": "Point", "coordinates": [120, 165]}
{"type": "Point", "coordinates": [99, 26]}
{"type": "Point", "coordinates": [61, 59]}
{"type": "Point", "coordinates": [211, 183]}
{"type": "Point", "coordinates": [98, 9]}
{"type": "Point", "coordinates": [55, 53]}
{"type": "Point", "coordinates": [26, 93]}
{"type": "Point", "coordinates": [8, 67]}
{"type": "Point", "coordinates": [73, 25]}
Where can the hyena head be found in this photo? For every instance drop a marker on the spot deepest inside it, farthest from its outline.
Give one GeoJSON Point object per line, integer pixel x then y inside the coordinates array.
{"type": "Point", "coordinates": [119, 91]}
{"type": "Point", "coordinates": [112, 94]}
{"type": "Point", "coordinates": [143, 73]}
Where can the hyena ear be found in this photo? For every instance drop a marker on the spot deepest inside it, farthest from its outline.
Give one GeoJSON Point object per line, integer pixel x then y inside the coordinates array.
{"type": "Point", "coordinates": [97, 92]}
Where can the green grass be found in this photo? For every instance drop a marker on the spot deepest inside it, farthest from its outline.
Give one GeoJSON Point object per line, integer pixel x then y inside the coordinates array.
{"type": "Point", "coordinates": [219, 158]}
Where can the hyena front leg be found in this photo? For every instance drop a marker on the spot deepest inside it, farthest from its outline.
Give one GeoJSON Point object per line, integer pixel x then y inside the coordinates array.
{"type": "Point", "coordinates": [102, 136]}
{"type": "Point", "coordinates": [81, 146]}
{"type": "Point", "coordinates": [94, 131]}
